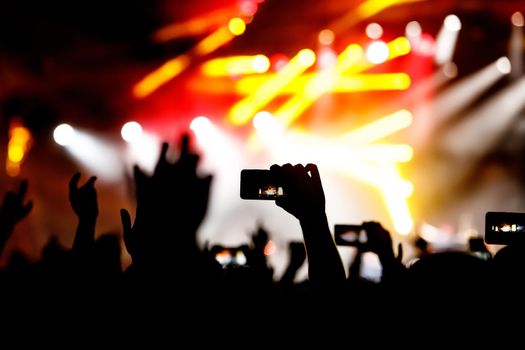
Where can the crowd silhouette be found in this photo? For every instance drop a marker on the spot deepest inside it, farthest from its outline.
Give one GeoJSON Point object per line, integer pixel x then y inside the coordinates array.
{"type": "Point", "coordinates": [169, 268]}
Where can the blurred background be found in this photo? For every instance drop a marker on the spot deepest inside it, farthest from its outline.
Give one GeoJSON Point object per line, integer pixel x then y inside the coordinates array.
{"type": "Point", "coordinates": [412, 109]}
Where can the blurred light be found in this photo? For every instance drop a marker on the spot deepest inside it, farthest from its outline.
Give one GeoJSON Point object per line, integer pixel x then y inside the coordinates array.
{"type": "Point", "coordinates": [279, 61]}
{"type": "Point", "coordinates": [17, 147]}
{"type": "Point", "coordinates": [261, 64]}
{"type": "Point", "coordinates": [377, 52]}
{"type": "Point", "coordinates": [262, 119]}
{"type": "Point", "coordinates": [326, 37]}
{"type": "Point", "coordinates": [236, 26]}
{"type": "Point", "coordinates": [450, 70]}
{"type": "Point", "coordinates": [15, 153]}
{"type": "Point", "coordinates": [248, 8]}
{"type": "Point", "coordinates": [213, 41]}
{"type": "Point", "coordinates": [413, 29]}
{"type": "Point", "coordinates": [503, 65]}
{"type": "Point", "coordinates": [269, 248]}
{"type": "Point", "coordinates": [195, 26]}
{"type": "Point", "coordinates": [131, 131]}
{"type": "Point", "coordinates": [379, 128]}
{"type": "Point", "coordinates": [243, 110]}
{"type": "Point", "coordinates": [200, 123]}
{"type": "Point", "coordinates": [452, 23]}
{"type": "Point", "coordinates": [446, 39]}
{"type": "Point", "coordinates": [160, 76]}
{"type": "Point", "coordinates": [306, 57]}
{"type": "Point", "coordinates": [517, 19]}
{"type": "Point", "coordinates": [374, 31]}
{"type": "Point", "coordinates": [64, 134]}
{"type": "Point", "coordinates": [100, 157]}
{"type": "Point", "coordinates": [326, 57]}
{"type": "Point", "coordinates": [426, 45]}
{"type": "Point", "coordinates": [236, 65]}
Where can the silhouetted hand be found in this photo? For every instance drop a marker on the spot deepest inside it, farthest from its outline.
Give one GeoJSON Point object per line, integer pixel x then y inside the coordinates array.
{"type": "Point", "coordinates": [303, 191]}
{"type": "Point", "coordinates": [378, 239]}
{"type": "Point", "coordinates": [83, 199]}
{"type": "Point", "coordinates": [304, 199]}
{"type": "Point", "coordinates": [12, 211]}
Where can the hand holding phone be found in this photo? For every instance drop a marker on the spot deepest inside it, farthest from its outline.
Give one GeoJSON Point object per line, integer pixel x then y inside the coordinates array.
{"type": "Point", "coordinates": [504, 227]}
{"type": "Point", "coordinates": [259, 184]}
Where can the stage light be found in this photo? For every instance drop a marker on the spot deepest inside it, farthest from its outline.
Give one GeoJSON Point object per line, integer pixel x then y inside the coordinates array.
{"type": "Point", "coordinates": [377, 52]}
{"type": "Point", "coordinates": [503, 65]}
{"type": "Point", "coordinates": [446, 39]}
{"type": "Point", "coordinates": [236, 65]}
{"type": "Point", "coordinates": [306, 57]}
{"type": "Point", "coordinates": [413, 29]}
{"type": "Point", "coordinates": [160, 76]}
{"type": "Point", "coordinates": [450, 70]}
{"type": "Point", "coordinates": [517, 19]}
{"type": "Point", "coordinates": [236, 26]}
{"type": "Point", "coordinates": [452, 23]}
{"type": "Point", "coordinates": [374, 31]}
{"type": "Point", "coordinates": [248, 8]}
{"type": "Point", "coordinates": [326, 57]}
{"type": "Point", "coordinates": [243, 110]}
{"type": "Point", "coordinates": [326, 37]}
{"type": "Point", "coordinates": [261, 63]}
{"type": "Point", "coordinates": [64, 134]}
{"type": "Point", "coordinates": [131, 131]}
{"type": "Point", "coordinates": [262, 119]}
{"type": "Point", "coordinates": [200, 123]}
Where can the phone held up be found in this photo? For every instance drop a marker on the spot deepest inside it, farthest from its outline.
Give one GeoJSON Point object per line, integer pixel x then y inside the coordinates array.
{"type": "Point", "coordinates": [259, 184]}
{"type": "Point", "coordinates": [350, 235]}
{"type": "Point", "coordinates": [504, 227]}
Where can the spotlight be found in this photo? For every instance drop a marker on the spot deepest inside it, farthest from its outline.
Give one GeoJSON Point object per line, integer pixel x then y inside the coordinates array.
{"type": "Point", "coordinates": [261, 63]}
{"type": "Point", "coordinates": [262, 120]}
{"type": "Point", "coordinates": [306, 57]}
{"type": "Point", "coordinates": [450, 70]}
{"type": "Point", "coordinates": [64, 134]}
{"type": "Point", "coordinates": [517, 19]}
{"type": "Point", "coordinates": [236, 26]}
{"type": "Point", "coordinates": [413, 29]}
{"type": "Point", "coordinates": [199, 123]}
{"type": "Point", "coordinates": [452, 23]}
{"type": "Point", "coordinates": [374, 31]}
{"type": "Point", "coordinates": [131, 131]}
{"type": "Point", "coordinates": [326, 37]}
{"type": "Point", "coordinates": [377, 52]}
{"type": "Point", "coordinates": [503, 65]}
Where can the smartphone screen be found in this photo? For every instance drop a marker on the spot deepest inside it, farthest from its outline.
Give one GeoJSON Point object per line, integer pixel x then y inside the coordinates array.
{"type": "Point", "coordinates": [350, 235]}
{"type": "Point", "coordinates": [504, 227]}
{"type": "Point", "coordinates": [259, 184]}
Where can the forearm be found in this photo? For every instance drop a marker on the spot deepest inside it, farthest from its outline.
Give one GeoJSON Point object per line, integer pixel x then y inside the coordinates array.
{"type": "Point", "coordinates": [325, 267]}
{"type": "Point", "coordinates": [85, 234]}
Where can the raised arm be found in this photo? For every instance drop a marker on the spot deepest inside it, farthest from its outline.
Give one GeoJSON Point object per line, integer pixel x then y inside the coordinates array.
{"type": "Point", "coordinates": [304, 198]}
{"type": "Point", "coordinates": [83, 200]}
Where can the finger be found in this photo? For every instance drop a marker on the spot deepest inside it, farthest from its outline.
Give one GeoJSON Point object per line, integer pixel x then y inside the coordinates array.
{"type": "Point", "coordinates": [138, 174]}
{"type": "Point", "coordinates": [163, 153]}
{"type": "Point", "coordinates": [184, 145]}
{"type": "Point", "coordinates": [73, 183]}
{"type": "Point", "coordinates": [22, 189]}
{"type": "Point", "coordinates": [27, 208]}
{"type": "Point", "coordinates": [91, 181]}
{"type": "Point", "coordinates": [399, 252]}
{"type": "Point", "coordinates": [126, 222]}
{"type": "Point", "coordinates": [314, 172]}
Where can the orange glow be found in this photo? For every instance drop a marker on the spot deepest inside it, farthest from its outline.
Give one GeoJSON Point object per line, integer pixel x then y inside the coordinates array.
{"type": "Point", "coordinates": [213, 41]}
{"type": "Point", "coordinates": [244, 110]}
{"type": "Point", "coordinates": [195, 26]}
{"type": "Point", "coordinates": [17, 147]}
{"type": "Point", "coordinates": [236, 26]}
{"type": "Point", "coordinates": [236, 65]}
{"type": "Point", "coordinates": [161, 76]}
{"type": "Point", "coordinates": [269, 248]}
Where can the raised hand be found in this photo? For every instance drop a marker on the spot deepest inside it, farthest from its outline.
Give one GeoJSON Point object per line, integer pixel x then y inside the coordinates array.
{"type": "Point", "coordinates": [83, 200]}
{"type": "Point", "coordinates": [303, 191]}
{"type": "Point", "coordinates": [12, 211]}
{"type": "Point", "coordinates": [304, 198]}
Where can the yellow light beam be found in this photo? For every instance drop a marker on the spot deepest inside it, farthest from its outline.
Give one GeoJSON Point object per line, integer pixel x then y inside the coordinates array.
{"type": "Point", "coordinates": [362, 12]}
{"type": "Point", "coordinates": [175, 66]}
{"type": "Point", "coordinates": [318, 85]}
{"type": "Point", "coordinates": [244, 110]}
{"type": "Point", "coordinates": [161, 76]}
{"type": "Point", "coordinates": [195, 26]}
{"type": "Point", "coordinates": [342, 84]}
{"type": "Point", "coordinates": [236, 65]}
{"type": "Point", "coordinates": [377, 129]}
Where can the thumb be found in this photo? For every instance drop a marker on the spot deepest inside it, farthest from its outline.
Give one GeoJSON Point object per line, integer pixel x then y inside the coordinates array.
{"type": "Point", "coordinates": [126, 222]}
{"type": "Point", "coordinates": [399, 256]}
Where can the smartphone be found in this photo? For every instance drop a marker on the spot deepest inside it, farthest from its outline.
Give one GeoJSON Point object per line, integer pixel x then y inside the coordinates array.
{"type": "Point", "coordinates": [259, 184]}
{"type": "Point", "coordinates": [504, 227]}
{"type": "Point", "coordinates": [350, 235]}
